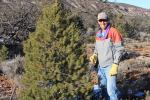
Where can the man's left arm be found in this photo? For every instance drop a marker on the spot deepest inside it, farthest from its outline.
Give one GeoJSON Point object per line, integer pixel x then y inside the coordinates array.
{"type": "Point", "coordinates": [117, 53]}
{"type": "Point", "coordinates": [118, 47]}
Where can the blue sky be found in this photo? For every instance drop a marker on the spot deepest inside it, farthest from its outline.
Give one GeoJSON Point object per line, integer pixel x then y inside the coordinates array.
{"type": "Point", "coordinates": [139, 3]}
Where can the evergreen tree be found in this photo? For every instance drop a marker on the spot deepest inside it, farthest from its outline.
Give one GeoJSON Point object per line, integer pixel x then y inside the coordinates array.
{"type": "Point", "coordinates": [55, 60]}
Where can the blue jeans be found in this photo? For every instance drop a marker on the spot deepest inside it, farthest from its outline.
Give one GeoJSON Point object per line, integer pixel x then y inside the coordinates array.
{"type": "Point", "coordinates": [107, 83]}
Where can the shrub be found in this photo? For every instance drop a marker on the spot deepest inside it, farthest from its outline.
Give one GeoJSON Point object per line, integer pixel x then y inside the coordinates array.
{"type": "Point", "coordinates": [3, 53]}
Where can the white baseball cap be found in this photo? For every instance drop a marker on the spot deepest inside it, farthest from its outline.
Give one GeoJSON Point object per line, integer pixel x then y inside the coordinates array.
{"type": "Point", "coordinates": [102, 15]}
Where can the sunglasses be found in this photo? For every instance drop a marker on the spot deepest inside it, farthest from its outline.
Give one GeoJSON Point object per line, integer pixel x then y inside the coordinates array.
{"type": "Point", "coordinates": [102, 20]}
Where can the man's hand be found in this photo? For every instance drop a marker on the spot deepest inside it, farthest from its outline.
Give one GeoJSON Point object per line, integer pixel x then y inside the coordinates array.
{"type": "Point", "coordinates": [113, 70]}
{"type": "Point", "coordinates": [93, 58]}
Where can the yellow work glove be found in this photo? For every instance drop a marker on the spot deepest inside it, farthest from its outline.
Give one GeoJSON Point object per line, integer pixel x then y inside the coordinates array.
{"type": "Point", "coordinates": [113, 70]}
{"type": "Point", "coordinates": [93, 58]}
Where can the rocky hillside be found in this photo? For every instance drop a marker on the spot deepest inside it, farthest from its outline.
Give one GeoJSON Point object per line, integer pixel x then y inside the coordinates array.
{"type": "Point", "coordinates": [18, 17]}
{"type": "Point", "coordinates": [88, 9]}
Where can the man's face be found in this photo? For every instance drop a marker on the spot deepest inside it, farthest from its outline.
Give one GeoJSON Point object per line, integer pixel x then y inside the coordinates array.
{"type": "Point", "coordinates": [103, 23]}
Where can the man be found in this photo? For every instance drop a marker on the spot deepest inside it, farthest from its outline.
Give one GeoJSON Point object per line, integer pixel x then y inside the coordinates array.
{"type": "Point", "coordinates": [108, 50]}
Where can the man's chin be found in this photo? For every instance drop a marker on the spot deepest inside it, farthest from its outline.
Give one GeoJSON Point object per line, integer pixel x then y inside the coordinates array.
{"type": "Point", "coordinates": [103, 27]}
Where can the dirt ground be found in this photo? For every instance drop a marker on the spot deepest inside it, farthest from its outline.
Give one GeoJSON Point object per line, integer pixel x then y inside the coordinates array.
{"type": "Point", "coordinates": [7, 88]}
